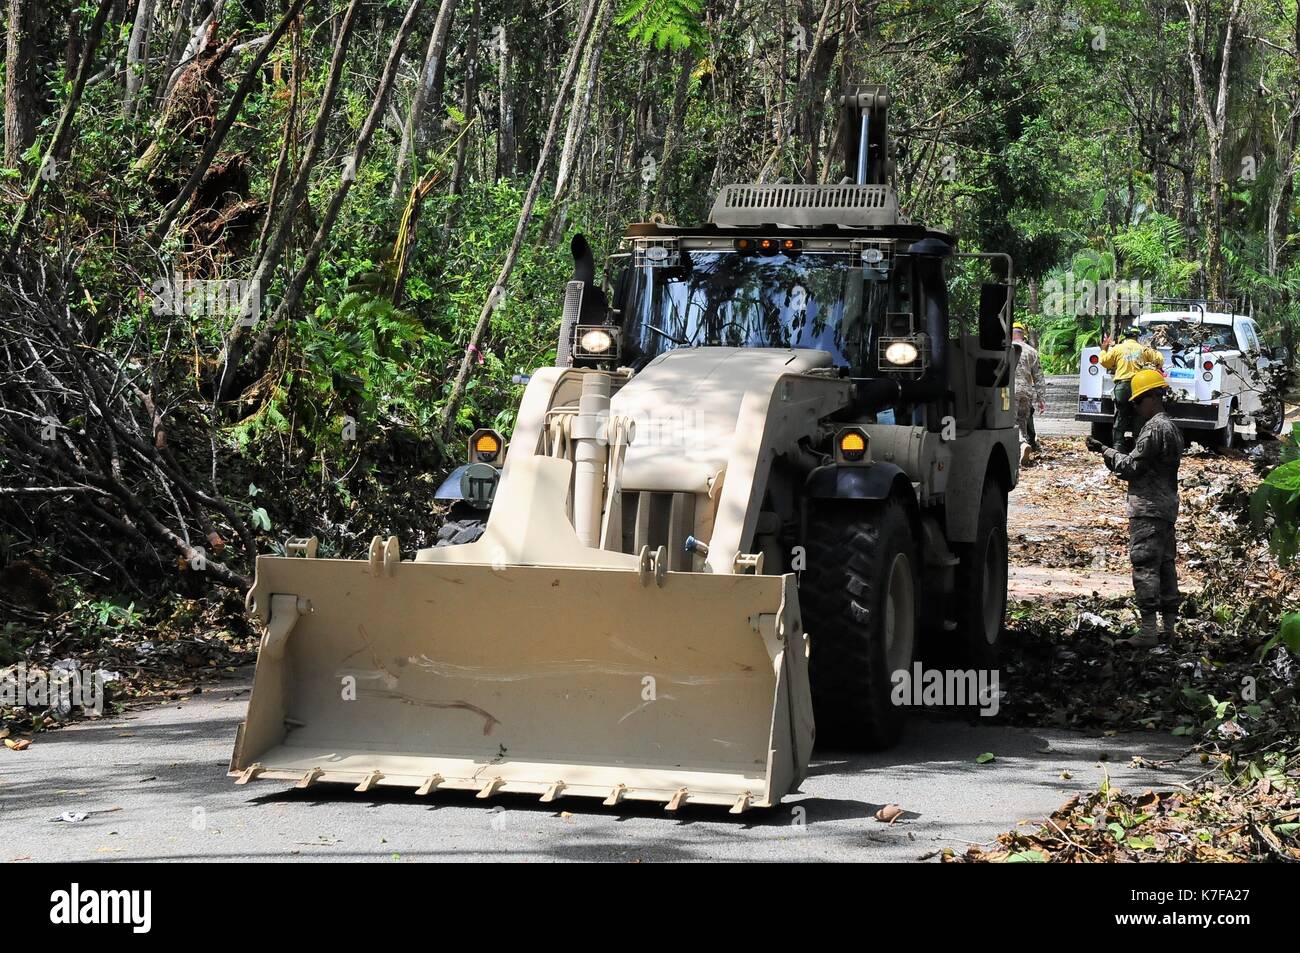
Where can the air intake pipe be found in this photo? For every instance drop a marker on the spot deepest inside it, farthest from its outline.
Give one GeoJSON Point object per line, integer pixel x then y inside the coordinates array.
{"type": "Point", "coordinates": [590, 456]}
{"type": "Point", "coordinates": [928, 255]}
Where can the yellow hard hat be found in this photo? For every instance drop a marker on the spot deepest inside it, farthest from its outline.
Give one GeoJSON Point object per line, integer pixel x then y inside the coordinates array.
{"type": "Point", "coordinates": [1017, 326]}
{"type": "Point", "coordinates": [1146, 380]}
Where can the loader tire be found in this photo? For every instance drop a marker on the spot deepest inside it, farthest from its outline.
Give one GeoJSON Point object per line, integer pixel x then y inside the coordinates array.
{"type": "Point", "coordinates": [858, 600]}
{"type": "Point", "coordinates": [463, 525]}
{"type": "Point", "coordinates": [982, 584]}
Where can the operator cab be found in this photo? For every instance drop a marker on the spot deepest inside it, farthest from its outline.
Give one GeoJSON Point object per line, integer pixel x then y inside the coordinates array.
{"type": "Point", "coordinates": [858, 298]}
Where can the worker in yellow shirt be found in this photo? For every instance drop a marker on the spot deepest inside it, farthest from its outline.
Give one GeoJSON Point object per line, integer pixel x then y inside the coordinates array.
{"type": "Point", "coordinates": [1123, 360]}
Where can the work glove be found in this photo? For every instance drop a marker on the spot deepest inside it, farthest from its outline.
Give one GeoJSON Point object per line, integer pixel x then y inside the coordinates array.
{"type": "Point", "coordinates": [1095, 445]}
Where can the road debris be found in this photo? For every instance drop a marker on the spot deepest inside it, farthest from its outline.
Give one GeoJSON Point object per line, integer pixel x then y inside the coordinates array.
{"type": "Point", "coordinates": [889, 813]}
{"type": "Point", "coordinates": [1227, 819]}
{"type": "Point", "coordinates": [1225, 683]}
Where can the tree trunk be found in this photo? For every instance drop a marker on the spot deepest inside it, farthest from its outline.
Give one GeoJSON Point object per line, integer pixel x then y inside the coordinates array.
{"type": "Point", "coordinates": [287, 140]}
{"type": "Point", "coordinates": [251, 76]}
{"type": "Point", "coordinates": [448, 421]}
{"type": "Point", "coordinates": [137, 55]}
{"type": "Point", "coordinates": [22, 80]}
{"type": "Point", "coordinates": [640, 123]}
{"type": "Point", "coordinates": [234, 349]}
{"type": "Point", "coordinates": [1282, 251]}
{"type": "Point", "coordinates": [72, 48]}
{"type": "Point", "coordinates": [676, 122]}
{"type": "Point", "coordinates": [61, 132]}
{"type": "Point", "coordinates": [577, 127]}
{"type": "Point", "coordinates": [469, 105]}
{"type": "Point", "coordinates": [1287, 158]}
{"type": "Point", "coordinates": [409, 151]}
{"type": "Point", "coordinates": [377, 107]}
{"type": "Point", "coordinates": [175, 46]}
{"type": "Point", "coordinates": [506, 122]}
{"type": "Point", "coordinates": [1215, 119]}
{"type": "Point", "coordinates": [808, 92]}
{"type": "Point", "coordinates": [197, 41]}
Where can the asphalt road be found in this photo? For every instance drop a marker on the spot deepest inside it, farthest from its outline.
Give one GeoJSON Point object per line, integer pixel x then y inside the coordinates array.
{"type": "Point", "coordinates": [153, 786]}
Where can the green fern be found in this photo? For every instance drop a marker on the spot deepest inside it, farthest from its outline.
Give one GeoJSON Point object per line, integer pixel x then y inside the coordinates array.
{"type": "Point", "coordinates": [665, 24]}
{"type": "Point", "coordinates": [1151, 250]}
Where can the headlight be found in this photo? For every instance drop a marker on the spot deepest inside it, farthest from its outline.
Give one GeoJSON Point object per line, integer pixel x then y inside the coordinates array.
{"type": "Point", "coordinates": [595, 345]}
{"type": "Point", "coordinates": [597, 341]}
{"type": "Point", "coordinates": [901, 352]}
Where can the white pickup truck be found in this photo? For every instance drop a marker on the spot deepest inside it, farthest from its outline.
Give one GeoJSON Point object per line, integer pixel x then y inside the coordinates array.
{"type": "Point", "coordinates": [1215, 365]}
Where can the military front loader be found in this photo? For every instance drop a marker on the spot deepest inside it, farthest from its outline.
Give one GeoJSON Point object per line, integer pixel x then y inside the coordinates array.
{"type": "Point", "coordinates": [768, 471]}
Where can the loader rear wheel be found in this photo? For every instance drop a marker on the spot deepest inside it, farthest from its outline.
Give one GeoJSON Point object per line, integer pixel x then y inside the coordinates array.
{"type": "Point", "coordinates": [858, 599]}
{"type": "Point", "coordinates": [982, 583]}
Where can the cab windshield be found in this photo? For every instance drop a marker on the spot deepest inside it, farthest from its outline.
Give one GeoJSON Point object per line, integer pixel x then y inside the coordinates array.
{"type": "Point", "coordinates": [711, 298]}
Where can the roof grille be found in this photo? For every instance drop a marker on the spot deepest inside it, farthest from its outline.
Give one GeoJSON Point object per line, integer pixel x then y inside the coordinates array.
{"type": "Point", "coordinates": [806, 205]}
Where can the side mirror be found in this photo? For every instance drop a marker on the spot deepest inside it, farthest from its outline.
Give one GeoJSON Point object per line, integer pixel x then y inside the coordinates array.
{"type": "Point", "coordinates": [993, 301]}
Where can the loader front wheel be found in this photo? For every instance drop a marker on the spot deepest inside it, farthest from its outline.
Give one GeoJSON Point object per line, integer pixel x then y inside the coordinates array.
{"type": "Point", "coordinates": [858, 599]}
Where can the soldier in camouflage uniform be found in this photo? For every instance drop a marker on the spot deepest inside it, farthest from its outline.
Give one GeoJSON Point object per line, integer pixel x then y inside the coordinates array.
{"type": "Point", "coordinates": [1152, 474]}
{"type": "Point", "coordinates": [1031, 387]}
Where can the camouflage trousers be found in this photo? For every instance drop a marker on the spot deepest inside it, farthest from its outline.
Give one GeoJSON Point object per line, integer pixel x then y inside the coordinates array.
{"type": "Point", "coordinates": [1025, 420]}
{"type": "Point", "coordinates": [1152, 548]}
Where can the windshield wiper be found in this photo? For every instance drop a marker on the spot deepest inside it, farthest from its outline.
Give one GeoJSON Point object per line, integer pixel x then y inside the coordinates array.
{"type": "Point", "coordinates": [676, 340]}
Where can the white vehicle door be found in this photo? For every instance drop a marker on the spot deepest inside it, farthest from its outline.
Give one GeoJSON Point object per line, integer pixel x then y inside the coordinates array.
{"type": "Point", "coordinates": [1252, 352]}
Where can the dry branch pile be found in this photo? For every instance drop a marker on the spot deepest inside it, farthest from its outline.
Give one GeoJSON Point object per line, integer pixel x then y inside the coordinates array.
{"type": "Point", "coordinates": [88, 456]}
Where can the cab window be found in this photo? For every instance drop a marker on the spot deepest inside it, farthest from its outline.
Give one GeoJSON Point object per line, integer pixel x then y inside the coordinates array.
{"type": "Point", "coordinates": [1249, 339]}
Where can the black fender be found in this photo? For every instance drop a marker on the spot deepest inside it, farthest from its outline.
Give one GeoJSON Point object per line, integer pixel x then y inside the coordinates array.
{"type": "Point", "coordinates": [451, 491]}
{"type": "Point", "coordinates": [875, 482]}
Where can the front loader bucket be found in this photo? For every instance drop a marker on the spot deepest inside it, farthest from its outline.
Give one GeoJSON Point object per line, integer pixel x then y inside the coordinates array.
{"type": "Point", "coordinates": [600, 682]}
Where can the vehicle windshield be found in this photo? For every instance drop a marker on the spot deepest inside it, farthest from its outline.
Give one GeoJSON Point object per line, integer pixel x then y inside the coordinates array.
{"type": "Point", "coordinates": [1189, 336]}
{"type": "Point", "coordinates": [712, 298]}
